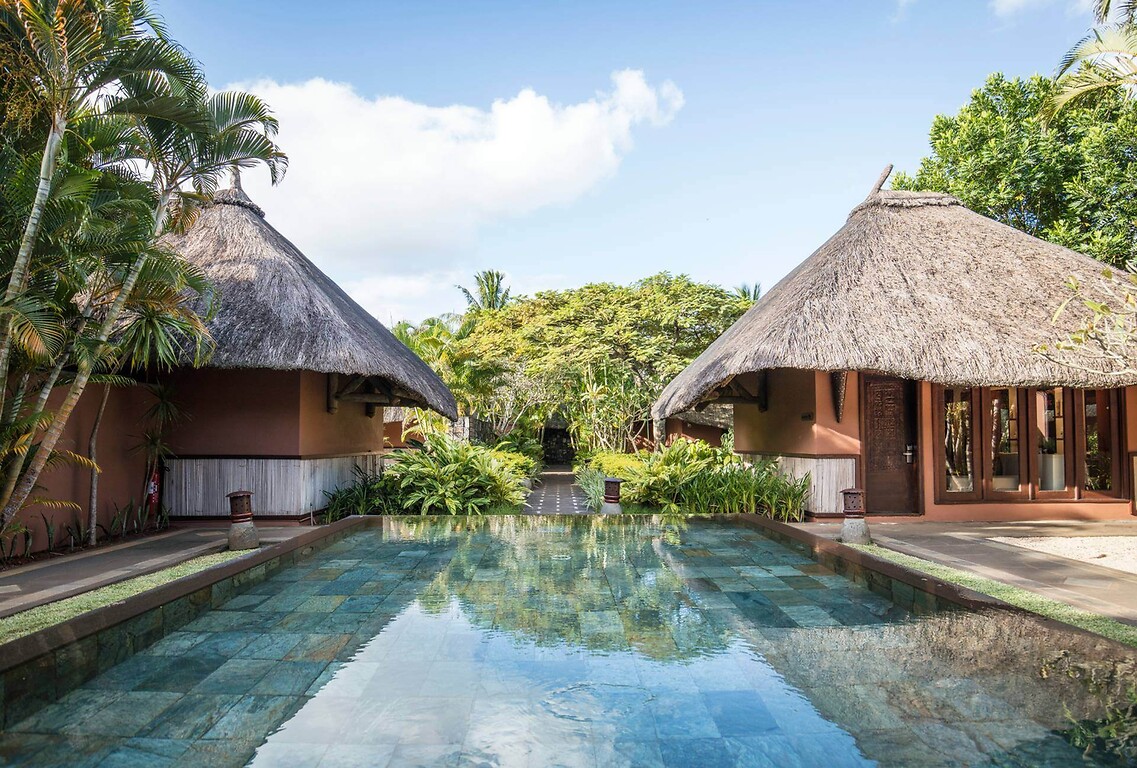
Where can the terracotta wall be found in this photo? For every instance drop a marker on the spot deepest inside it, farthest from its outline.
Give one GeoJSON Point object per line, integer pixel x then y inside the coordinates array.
{"type": "Point", "coordinates": [679, 428]}
{"type": "Point", "coordinates": [1016, 510]}
{"type": "Point", "coordinates": [348, 430]}
{"type": "Point", "coordinates": [800, 419]}
{"type": "Point", "coordinates": [123, 468]}
{"type": "Point", "coordinates": [237, 412]}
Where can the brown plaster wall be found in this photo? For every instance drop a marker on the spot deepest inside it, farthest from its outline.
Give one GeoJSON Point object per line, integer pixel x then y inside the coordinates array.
{"type": "Point", "coordinates": [800, 418]}
{"type": "Point", "coordinates": [237, 412]}
{"type": "Point", "coordinates": [679, 428]}
{"type": "Point", "coordinates": [122, 468]}
{"type": "Point", "coordinates": [348, 430]}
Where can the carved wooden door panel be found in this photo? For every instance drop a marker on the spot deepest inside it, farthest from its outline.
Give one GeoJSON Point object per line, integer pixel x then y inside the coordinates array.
{"type": "Point", "coordinates": [890, 445]}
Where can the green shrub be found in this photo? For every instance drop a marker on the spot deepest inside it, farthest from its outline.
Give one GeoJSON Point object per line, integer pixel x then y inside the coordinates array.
{"type": "Point", "coordinates": [451, 477]}
{"type": "Point", "coordinates": [366, 494]}
{"type": "Point", "coordinates": [446, 476]}
{"type": "Point", "coordinates": [520, 442]}
{"type": "Point", "coordinates": [591, 484]}
{"type": "Point", "coordinates": [692, 476]}
{"type": "Point", "coordinates": [522, 465]}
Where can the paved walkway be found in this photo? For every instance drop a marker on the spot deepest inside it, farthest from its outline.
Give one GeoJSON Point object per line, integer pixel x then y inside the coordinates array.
{"type": "Point", "coordinates": [968, 546]}
{"type": "Point", "coordinates": [556, 494]}
{"type": "Point", "coordinates": [55, 578]}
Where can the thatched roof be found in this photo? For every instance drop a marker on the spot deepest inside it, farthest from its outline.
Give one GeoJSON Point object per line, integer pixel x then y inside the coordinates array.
{"type": "Point", "coordinates": [917, 286]}
{"type": "Point", "coordinates": [277, 310]}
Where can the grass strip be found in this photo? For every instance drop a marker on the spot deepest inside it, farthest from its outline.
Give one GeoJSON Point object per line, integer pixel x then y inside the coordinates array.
{"type": "Point", "coordinates": [1016, 596]}
{"type": "Point", "coordinates": [48, 615]}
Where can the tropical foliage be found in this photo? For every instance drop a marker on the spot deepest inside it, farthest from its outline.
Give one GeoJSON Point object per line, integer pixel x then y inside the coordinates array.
{"type": "Point", "coordinates": [691, 476]}
{"type": "Point", "coordinates": [446, 476]}
{"type": "Point", "coordinates": [1069, 179]}
{"type": "Point", "coordinates": [109, 139]}
{"type": "Point", "coordinates": [595, 356]}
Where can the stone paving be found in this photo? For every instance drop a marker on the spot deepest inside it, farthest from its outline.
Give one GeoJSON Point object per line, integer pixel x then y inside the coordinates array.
{"type": "Point", "coordinates": [968, 547]}
{"type": "Point", "coordinates": [537, 641]}
{"type": "Point", "coordinates": [556, 494]}
{"type": "Point", "coordinates": [57, 577]}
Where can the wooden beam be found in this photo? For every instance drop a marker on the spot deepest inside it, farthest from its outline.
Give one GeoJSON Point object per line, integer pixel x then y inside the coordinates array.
{"type": "Point", "coordinates": [367, 397]}
{"type": "Point", "coordinates": [333, 392]}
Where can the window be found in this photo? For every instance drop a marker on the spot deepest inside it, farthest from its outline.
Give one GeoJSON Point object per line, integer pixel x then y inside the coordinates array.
{"type": "Point", "coordinates": [1009, 442]}
{"type": "Point", "coordinates": [1053, 449]}
{"type": "Point", "coordinates": [1099, 464]}
{"type": "Point", "coordinates": [1007, 468]}
{"type": "Point", "coordinates": [957, 425]}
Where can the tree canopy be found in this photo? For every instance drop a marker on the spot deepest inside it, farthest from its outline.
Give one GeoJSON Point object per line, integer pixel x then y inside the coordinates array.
{"type": "Point", "coordinates": [1070, 179]}
{"type": "Point", "coordinates": [596, 355]}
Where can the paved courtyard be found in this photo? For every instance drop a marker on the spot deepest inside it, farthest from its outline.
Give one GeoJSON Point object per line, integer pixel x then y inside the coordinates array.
{"type": "Point", "coordinates": [556, 494]}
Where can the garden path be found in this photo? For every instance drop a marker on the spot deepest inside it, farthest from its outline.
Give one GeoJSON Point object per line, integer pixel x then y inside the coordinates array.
{"type": "Point", "coordinates": [556, 494]}
{"type": "Point", "coordinates": [969, 547]}
{"type": "Point", "coordinates": [54, 577]}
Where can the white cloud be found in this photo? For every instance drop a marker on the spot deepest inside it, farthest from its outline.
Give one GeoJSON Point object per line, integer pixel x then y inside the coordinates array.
{"type": "Point", "coordinates": [1012, 7]}
{"type": "Point", "coordinates": [382, 185]}
{"type": "Point", "coordinates": [394, 297]}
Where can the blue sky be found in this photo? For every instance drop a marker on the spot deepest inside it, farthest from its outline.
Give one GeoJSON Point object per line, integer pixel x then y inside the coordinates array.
{"type": "Point", "coordinates": [734, 143]}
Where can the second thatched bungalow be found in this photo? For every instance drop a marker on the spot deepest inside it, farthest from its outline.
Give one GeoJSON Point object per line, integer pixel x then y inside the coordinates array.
{"type": "Point", "coordinates": [900, 357]}
{"type": "Point", "coordinates": [291, 400]}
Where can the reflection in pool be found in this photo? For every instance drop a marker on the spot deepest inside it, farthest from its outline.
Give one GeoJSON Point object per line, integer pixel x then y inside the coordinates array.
{"type": "Point", "coordinates": [585, 641]}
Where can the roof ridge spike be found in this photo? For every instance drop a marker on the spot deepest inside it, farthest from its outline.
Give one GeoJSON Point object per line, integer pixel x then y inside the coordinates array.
{"type": "Point", "coordinates": [883, 178]}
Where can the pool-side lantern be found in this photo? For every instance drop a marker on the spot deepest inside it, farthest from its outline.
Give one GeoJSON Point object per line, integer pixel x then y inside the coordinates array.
{"type": "Point", "coordinates": [611, 505]}
{"type": "Point", "coordinates": [854, 529]}
{"type": "Point", "coordinates": [242, 531]}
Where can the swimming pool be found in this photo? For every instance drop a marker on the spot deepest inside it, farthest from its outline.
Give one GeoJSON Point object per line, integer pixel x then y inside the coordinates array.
{"type": "Point", "coordinates": [523, 641]}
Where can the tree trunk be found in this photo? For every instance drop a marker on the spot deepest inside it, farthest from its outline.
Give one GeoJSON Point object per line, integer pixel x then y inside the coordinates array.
{"type": "Point", "coordinates": [93, 507]}
{"type": "Point", "coordinates": [28, 241]}
{"type": "Point", "coordinates": [15, 502]}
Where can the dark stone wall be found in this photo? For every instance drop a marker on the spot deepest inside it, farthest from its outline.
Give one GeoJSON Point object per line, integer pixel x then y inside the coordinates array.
{"type": "Point", "coordinates": [558, 446]}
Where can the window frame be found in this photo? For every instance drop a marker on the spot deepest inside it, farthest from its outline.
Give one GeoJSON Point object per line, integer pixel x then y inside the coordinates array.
{"type": "Point", "coordinates": [982, 455]}
{"type": "Point", "coordinates": [939, 453]}
{"type": "Point", "coordinates": [987, 456]}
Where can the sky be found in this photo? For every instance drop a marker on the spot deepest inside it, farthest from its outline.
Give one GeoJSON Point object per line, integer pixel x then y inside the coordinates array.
{"type": "Point", "coordinates": [588, 141]}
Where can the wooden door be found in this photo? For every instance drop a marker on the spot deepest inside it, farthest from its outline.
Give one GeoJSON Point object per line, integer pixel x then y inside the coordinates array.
{"type": "Point", "coordinates": [891, 459]}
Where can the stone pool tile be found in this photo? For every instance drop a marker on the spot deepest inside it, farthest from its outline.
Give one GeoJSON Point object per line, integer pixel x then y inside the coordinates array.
{"type": "Point", "coordinates": [739, 713]}
{"type": "Point", "coordinates": [415, 754]}
{"type": "Point", "coordinates": [273, 646]}
{"type": "Point", "coordinates": [600, 622]}
{"type": "Point", "coordinates": [251, 717]}
{"type": "Point", "coordinates": [695, 753]}
{"type": "Point", "coordinates": [318, 647]}
{"type": "Point", "coordinates": [416, 720]}
{"type": "Point", "coordinates": [787, 597]}
{"type": "Point", "coordinates": [126, 675]}
{"type": "Point", "coordinates": [628, 752]}
{"type": "Point", "coordinates": [129, 713]}
{"type": "Point", "coordinates": [234, 676]}
{"type": "Point", "coordinates": [289, 678]}
{"type": "Point", "coordinates": [70, 751]}
{"type": "Point", "coordinates": [361, 603]}
{"type": "Point", "coordinates": [145, 753]}
{"type": "Point", "coordinates": [810, 616]}
{"type": "Point", "coordinates": [243, 602]}
{"type": "Point", "coordinates": [181, 674]}
{"type": "Point", "coordinates": [217, 754]}
{"type": "Point", "coordinates": [79, 704]}
{"type": "Point", "coordinates": [901, 748]}
{"type": "Point", "coordinates": [300, 622]}
{"type": "Point", "coordinates": [683, 716]}
{"type": "Point", "coordinates": [190, 717]}
{"type": "Point", "coordinates": [175, 644]}
{"type": "Point", "coordinates": [225, 643]}
{"type": "Point", "coordinates": [802, 582]}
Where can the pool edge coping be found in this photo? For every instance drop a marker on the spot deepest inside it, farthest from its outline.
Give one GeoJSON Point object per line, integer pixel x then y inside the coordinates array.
{"type": "Point", "coordinates": [22, 650]}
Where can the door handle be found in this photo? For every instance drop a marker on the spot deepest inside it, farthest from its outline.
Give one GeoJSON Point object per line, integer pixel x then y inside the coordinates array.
{"type": "Point", "coordinates": [909, 453]}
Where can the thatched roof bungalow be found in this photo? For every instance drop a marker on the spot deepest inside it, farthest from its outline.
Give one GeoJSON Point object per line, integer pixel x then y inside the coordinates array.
{"type": "Point", "coordinates": [292, 397]}
{"type": "Point", "coordinates": [901, 357]}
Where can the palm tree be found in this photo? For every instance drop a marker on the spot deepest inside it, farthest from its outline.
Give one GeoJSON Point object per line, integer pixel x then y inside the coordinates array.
{"type": "Point", "coordinates": [118, 93]}
{"type": "Point", "coordinates": [490, 293]}
{"type": "Point", "coordinates": [747, 291]}
{"type": "Point", "coordinates": [82, 59]}
{"type": "Point", "coordinates": [1105, 58]}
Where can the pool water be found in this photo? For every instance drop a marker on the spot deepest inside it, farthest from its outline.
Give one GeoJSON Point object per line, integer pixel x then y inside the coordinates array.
{"type": "Point", "coordinates": [577, 642]}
